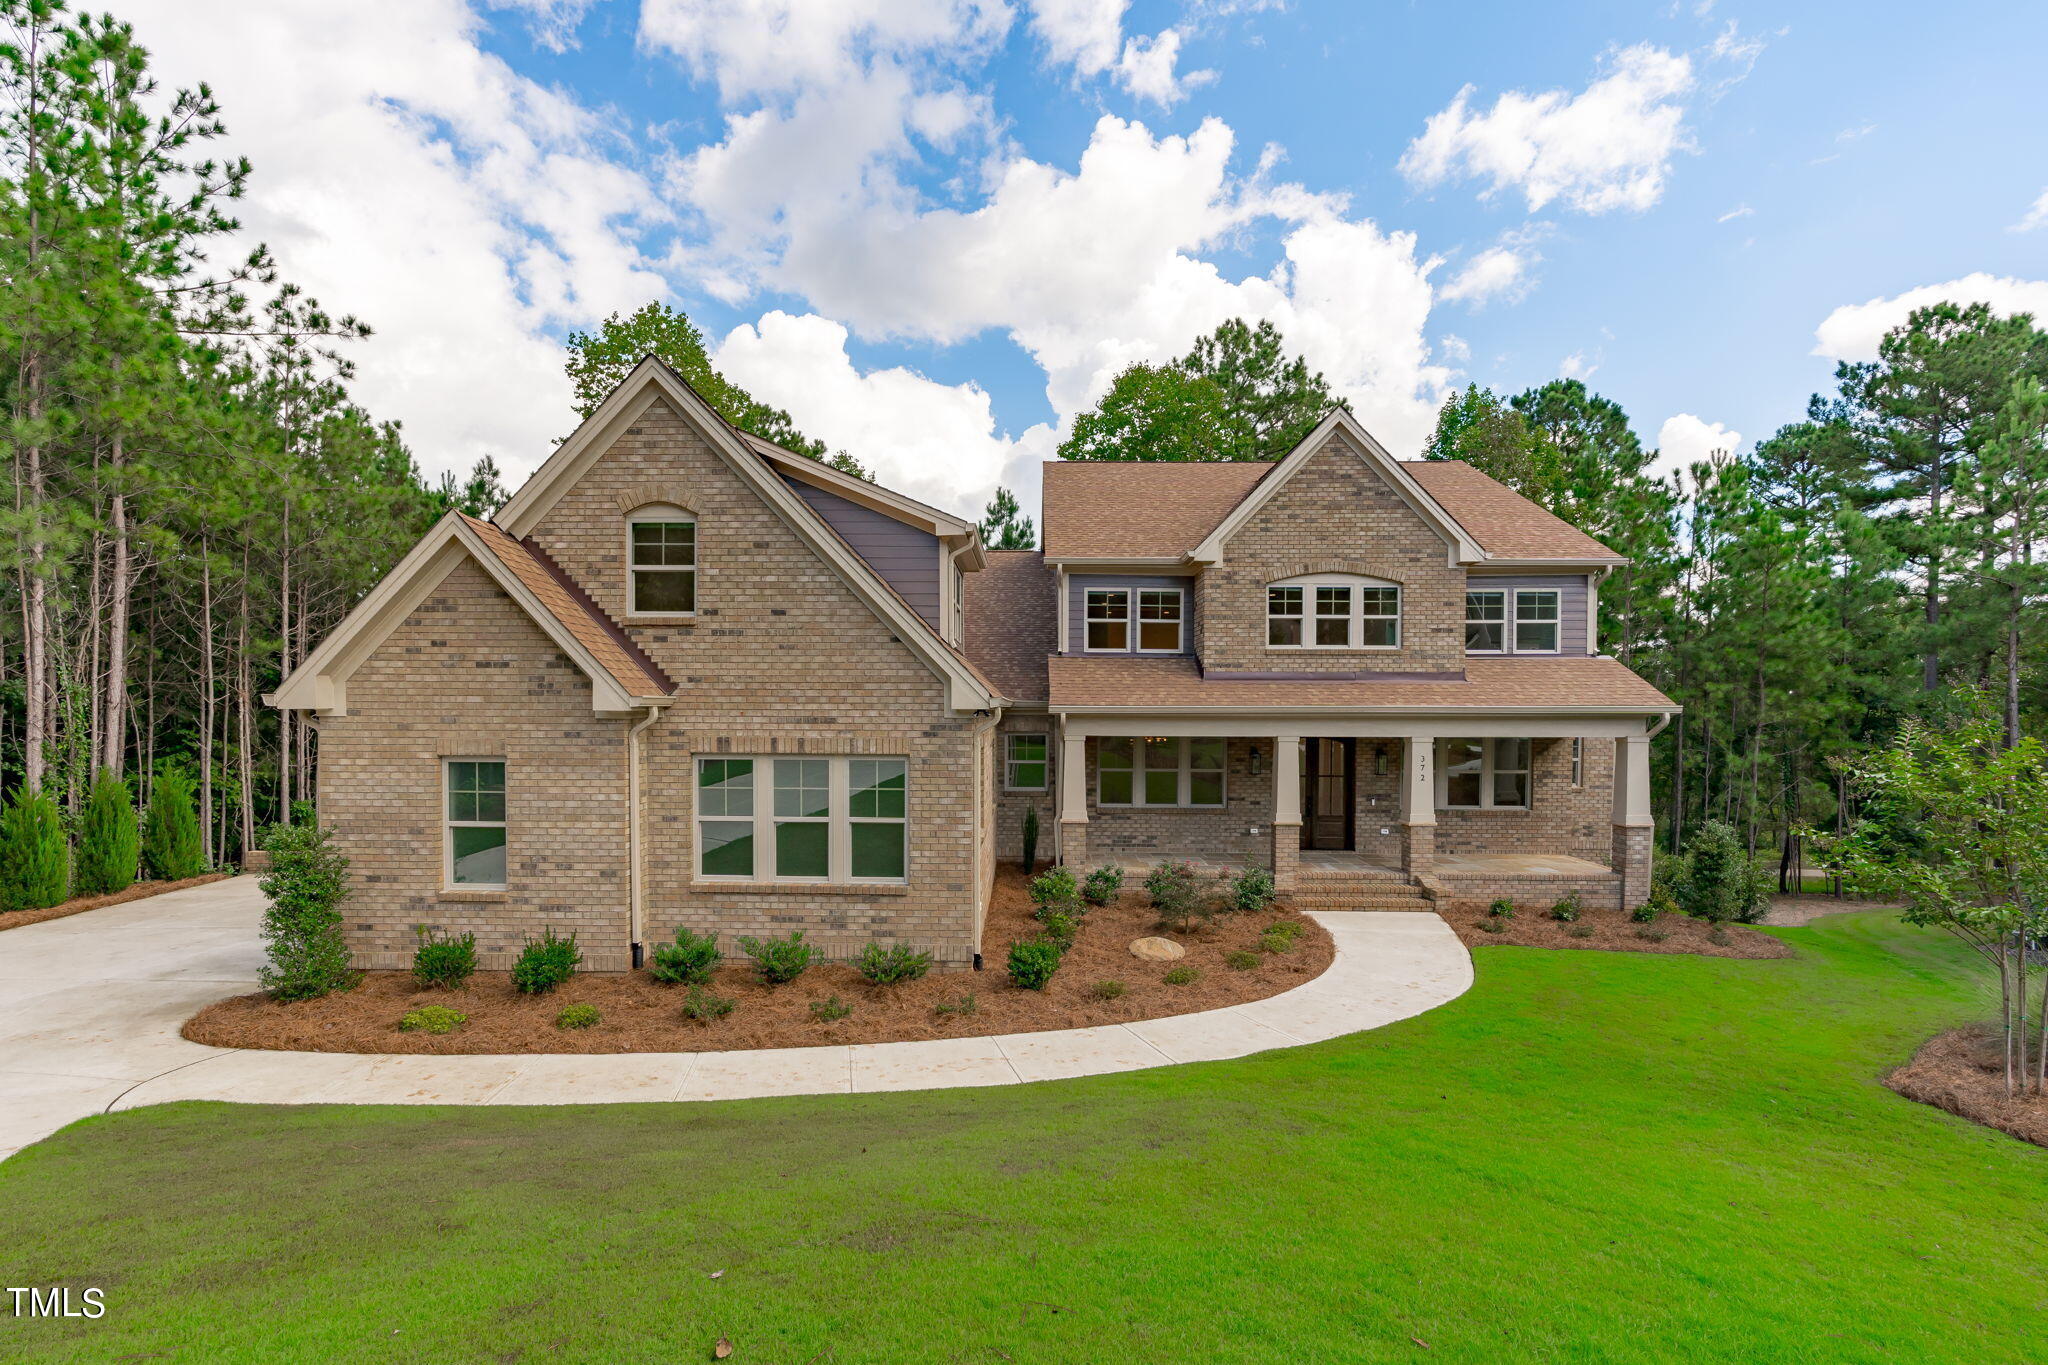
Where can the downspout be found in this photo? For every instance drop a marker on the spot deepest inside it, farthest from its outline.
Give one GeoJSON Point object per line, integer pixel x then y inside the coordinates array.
{"type": "Point", "coordinates": [1662, 720]}
{"type": "Point", "coordinates": [635, 921]}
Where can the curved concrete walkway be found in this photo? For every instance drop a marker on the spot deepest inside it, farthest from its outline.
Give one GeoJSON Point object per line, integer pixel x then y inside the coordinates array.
{"type": "Point", "coordinates": [91, 1005]}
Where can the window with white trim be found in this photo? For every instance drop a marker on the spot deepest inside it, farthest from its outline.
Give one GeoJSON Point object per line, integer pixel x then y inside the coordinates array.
{"type": "Point", "coordinates": [1536, 620]}
{"type": "Point", "coordinates": [1339, 611]}
{"type": "Point", "coordinates": [1024, 763]}
{"type": "Point", "coordinates": [1482, 774]}
{"type": "Point", "coordinates": [1486, 614]}
{"type": "Point", "coordinates": [830, 819]}
{"type": "Point", "coordinates": [1108, 619]}
{"type": "Point", "coordinates": [1578, 763]}
{"type": "Point", "coordinates": [1159, 771]}
{"type": "Point", "coordinates": [476, 839]}
{"type": "Point", "coordinates": [661, 560]}
{"type": "Point", "coordinates": [1159, 620]}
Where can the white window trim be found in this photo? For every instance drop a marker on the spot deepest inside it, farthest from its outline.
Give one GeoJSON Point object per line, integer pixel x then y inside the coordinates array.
{"type": "Point", "coordinates": [839, 845]}
{"type": "Point", "coordinates": [1087, 621]}
{"type": "Point", "coordinates": [1578, 762]}
{"type": "Point", "coordinates": [1010, 760]}
{"type": "Point", "coordinates": [1180, 625]}
{"type": "Point", "coordinates": [450, 825]}
{"type": "Point", "coordinates": [670, 515]}
{"type": "Point", "coordinates": [1506, 626]}
{"type": "Point", "coordinates": [1555, 622]}
{"type": "Point", "coordinates": [1354, 629]}
{"type": "Point", "coordinates": [1488, 766]}
{"type": "Point", "coordinates": [1182, 786]}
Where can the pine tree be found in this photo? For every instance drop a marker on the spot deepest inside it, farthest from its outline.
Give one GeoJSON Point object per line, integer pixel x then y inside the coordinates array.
{"type": "Point", "coordinates": [35, 861]}
{"type": "Point", "coordinates": [170, 829]}
{"type": "Point", "coordinates": [1002, 526]}
{"type": "Point", "coordinates": [109, 844]}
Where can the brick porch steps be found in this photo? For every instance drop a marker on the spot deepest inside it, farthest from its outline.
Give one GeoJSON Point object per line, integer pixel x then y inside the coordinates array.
{"type": "Point", "coordinates": [1319, 889]}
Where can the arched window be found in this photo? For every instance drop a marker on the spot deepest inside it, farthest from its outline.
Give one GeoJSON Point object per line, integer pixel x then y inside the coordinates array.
{"type": "Point", "coordinates": [661, 559]}
{"type": "Point", "coordinates": [1333, 611]}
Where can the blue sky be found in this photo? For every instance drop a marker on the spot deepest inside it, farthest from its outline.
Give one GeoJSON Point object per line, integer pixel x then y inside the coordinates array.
{"type": "Point", "coordinates": [934, 229]}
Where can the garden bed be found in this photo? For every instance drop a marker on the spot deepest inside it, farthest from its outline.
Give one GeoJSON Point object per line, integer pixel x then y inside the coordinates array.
{"type": "Point", "coordinates": [14, 919]}
{"type": "Point", "coordinates": [1963, 1072]}
{"type": "Point", "coordinates": [642, 1015]}
{"type": "Point", "coordinates": [1611, 931]}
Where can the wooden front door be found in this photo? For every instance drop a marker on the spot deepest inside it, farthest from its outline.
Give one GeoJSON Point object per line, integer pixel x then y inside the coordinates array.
{"type": "Point", "coordinates": [1327, 767]}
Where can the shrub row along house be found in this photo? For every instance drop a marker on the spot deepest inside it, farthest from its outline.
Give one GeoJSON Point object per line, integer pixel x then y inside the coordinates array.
{"type": "Point", "coordinates": [687, 678]}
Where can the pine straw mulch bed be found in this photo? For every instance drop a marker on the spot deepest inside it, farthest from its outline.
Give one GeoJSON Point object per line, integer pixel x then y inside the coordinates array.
{"type": "Point", "coordinates": [1612, 931]}
{"type": "Point", "coordinates": [14, 919]}
{"type": "Point", "coordinates": [641, 1015]}
{"type": "Point", "coordinates": [1963, 1071]}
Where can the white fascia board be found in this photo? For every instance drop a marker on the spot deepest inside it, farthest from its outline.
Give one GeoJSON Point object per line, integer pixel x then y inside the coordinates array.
{"type": "Point", "coordinates": [1178, 565]}
{"type": "Point", "coordinates": [1579, 565]}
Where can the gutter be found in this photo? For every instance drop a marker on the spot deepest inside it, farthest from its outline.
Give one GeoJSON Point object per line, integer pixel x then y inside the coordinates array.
{"type": "Point", "coordinates": [635, 920]}
{"type": "Point", "coordinates": [1662, 721]}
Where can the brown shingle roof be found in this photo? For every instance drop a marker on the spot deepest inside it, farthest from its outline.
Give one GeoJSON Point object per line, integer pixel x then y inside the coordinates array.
{"type": "Point", "coordinates": [1114, 508]}
{"type": "Point", "coordinates": [1013, 621]}
{"type": "Point", "coordinates": [1500, 519]}
{"type": "Point", "coordinates": [581, 617]}
{"type": "Point", "coordinates": [1179, 683]}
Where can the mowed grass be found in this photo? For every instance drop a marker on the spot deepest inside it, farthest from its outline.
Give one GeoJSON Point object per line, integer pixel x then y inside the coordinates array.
{"type": "Point", "coordinates": [1590, 1157]}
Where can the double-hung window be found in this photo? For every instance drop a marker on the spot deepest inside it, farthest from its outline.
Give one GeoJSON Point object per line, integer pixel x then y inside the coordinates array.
{"type": "Point", "coordinates": [1341, 612]}
{"type": "Point", "coordinates": [1578, 763]}
{"type": "Point", "coordinates": [1482, 774]}
{"type": "Point", "coordinates": [1168, 771]}
{"type": "Point", "coordinates": [1486, 616]}
{"type": "Point", "coordinates": [835, 819]}
{"type": "Point", "coordinates": [661, 558]}
{"type": "Point", "coordinates": [1024, 762]}
{"type": "Point", "coordinates": [476, 823]}
{"type": "Point", "coordinates": [1536, 621]}
{"type": "Point", "coordinates": [1109, 619]}
{"type": "Point", "coordinates": [1159, 620]}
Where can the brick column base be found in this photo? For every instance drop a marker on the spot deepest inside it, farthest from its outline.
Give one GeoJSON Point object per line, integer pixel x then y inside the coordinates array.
{"type": "Point", "coordinates": [1418, 849]}
{"type": "Point", "coordinates": [1632, 861]}
{"type": "Point", "coordinates": [1074, 843]}
{"type": "Point", "coordinates": [1286, 856]}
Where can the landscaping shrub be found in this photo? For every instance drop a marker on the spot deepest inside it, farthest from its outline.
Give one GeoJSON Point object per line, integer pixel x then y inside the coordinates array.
{"type": "Point", "coordinates": [546, 962]}
{"type": "Point", "coordinates": [1494, 926]}
{"type": "Point", "coordinates": [1061, 928]}
{"type": "Point", "coordinates": [307, 882]}
{"type": "Point", "coordinates": [1033, 961]}
{"type": "Point", "coordinates": [432, 1019]}
{"type": "Point", "coordinates": [1250, 892]}
{"type": "Point", "coordinates": [1103, 885]}
{"type": "Point", "coordinates": [1241, 960]}
{"type": "Point", "coordinates": [1567, 909]}
{"type": "Point", "coordinates": [1719, 937]}
{"type": "Point", "coordinates": [704, 1006]}
{"type": "Point", "coordinates": [1289, 929]}
{"type": "Point", "coordinates": [1106, 990]}
{"type": "Point", "coordinates": [1181, 976]}
{"type": "Point", "coordinates": [887, 966]}
{"type": "Point", "coordinates": [1654, 935]}
{"type": "Point", "coordinates": [1030, 840]}
{"type": "Point", "coordinates": [1501, 909]}
{"type": "Point", "coordinates": [689, 961]}
{"type": "Point", "coordinates": [830, 1010]}
{"type": "Point", "coordinates": [1056, 893]}
{"type": "Point", "coordinates": [1174, 893]}
{"type": "Point", "coordinates": [1720, 881]}
{"type": "Point", "coordinates": [445, 962]}
{"type": "Point", "coordinates": [1580, 931]}
{"type": "Point", "coordinates": [1272, 940]}
{"type": "Point", "coordinates": [35, 860]}
{"type": "Point", "coordinates": [1649, 910]}
{"type": "Point", "coordinates": [965, 1005]}
{"type": "Point", "coordinates": [170, 829]}
{"type": "Point", "coordinates": [579, 1015]}
{"type": "Point", "coordinates": [778, 960]}
{"type": "Point", "coordinates": [109, 842]}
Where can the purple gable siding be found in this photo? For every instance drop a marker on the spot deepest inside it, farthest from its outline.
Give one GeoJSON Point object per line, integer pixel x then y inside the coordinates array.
{"type": "Point", "coordinates": [1571, 604]}
{"type": "Point", "coordinates": [1077, 604]}
{"type": "Point", "coordinates": [907, 558]}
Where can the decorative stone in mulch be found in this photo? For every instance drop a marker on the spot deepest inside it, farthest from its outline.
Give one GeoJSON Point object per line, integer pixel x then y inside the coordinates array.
{"type": "Point", "coordinates": [1155, 949]}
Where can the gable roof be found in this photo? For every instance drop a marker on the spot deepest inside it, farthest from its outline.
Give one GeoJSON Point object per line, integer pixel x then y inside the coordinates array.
{"type": "Point", "coordinates": [1509, 525]}
{"type": "Point", "coordinates": [873, 496]}
{"type": "Point", "coordinates": [1130, 509]}
{"type": "Point", "coordinates": [1013, 621]}
{"type": "Point", "coordinates": [621, 678]}
{"type": "Point", "coordinates": [653, 380]}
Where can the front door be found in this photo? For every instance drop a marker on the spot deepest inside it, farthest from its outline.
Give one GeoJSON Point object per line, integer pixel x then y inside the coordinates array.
{"type": "Point", "coordinates": [1326, 792]}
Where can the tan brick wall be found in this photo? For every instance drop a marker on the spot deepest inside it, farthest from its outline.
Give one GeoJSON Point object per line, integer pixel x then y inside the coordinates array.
{"type": "Point", "coordinates": [469, 675]}
{"type": "Point", "coordinates": [1152, 833]}
{"type": "Point", "coordinates": [1531, 895]}
{"type": "Point", "coordinates": [1008, 827]}
{"type": "Point", "coordinates": [1561, 818]}
{"type": "Point", "coordinates": [1335, 515]}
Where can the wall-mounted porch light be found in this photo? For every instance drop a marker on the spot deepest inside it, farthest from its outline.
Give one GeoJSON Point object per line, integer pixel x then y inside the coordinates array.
{"type": "Point", "coordinates": [1258, 761]}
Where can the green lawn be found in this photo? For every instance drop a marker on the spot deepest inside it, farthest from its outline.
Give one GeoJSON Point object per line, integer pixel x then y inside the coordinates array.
{"type": "Point", "coordinates": [1590, 1157]}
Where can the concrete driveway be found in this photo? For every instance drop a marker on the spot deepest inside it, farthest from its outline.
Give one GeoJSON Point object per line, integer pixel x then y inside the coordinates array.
{"type": "Point", "coordinates": [90, 1008]}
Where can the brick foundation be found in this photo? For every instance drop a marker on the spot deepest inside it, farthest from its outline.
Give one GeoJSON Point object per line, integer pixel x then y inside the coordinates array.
{"type": "Point", "coordinates": [1632, 862]}
{"type": "Point", "coordinates": [1286, 855]}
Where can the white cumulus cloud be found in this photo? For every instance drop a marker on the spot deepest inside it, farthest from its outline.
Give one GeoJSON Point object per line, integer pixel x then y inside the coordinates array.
{"type": "Point", "coordinates": [1502, 272]}
{"type": "Point", "coordinates": [2035, 216]}
{"type": "Point", "coordinates": [1853, 331]}
{"type": "Point", "coordinates": [1685, 439]}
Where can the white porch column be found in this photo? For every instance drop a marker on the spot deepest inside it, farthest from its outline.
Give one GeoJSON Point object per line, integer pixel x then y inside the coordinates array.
{"type": "Point", "coordinates": [1634, 827]}
{"type": "Point", "coordinates": [1073, 784]}
{"type": "Point", "coordinates": [1418, 804]}
{"type": "Point", "coordinates": [1286, 809]}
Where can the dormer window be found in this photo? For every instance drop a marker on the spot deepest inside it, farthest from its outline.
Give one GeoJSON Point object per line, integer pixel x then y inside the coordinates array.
{"type": "Point", "coordinates": [1333, 611]}
{"type": "Point", "coordinates": [661, 558]}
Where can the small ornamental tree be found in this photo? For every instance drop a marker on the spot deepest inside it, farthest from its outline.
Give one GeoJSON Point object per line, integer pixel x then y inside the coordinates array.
{"type": "Point", "coordinates": [109, 842]}
{"type": "Point", "coordinates": [1954, 824]}
{"type": "Point", "coordinates": [170, 829]}
{"type": "Point", "coordinates": [307, 883]}
{"type": "Point", "coordinates": [35, 861]}
{"type": "Point", "coordinates": [1721, 882]}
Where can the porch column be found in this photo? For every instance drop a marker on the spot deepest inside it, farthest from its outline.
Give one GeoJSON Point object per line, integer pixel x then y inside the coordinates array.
{"type": "Point", "coordinates": [1286, 810]}
{"type": "Point", "coordinates": [1073, 783]}
{"type": "Point", "coordinates": [1634, 828]}
{"type": "Point", "coordinates": [1418, 805]}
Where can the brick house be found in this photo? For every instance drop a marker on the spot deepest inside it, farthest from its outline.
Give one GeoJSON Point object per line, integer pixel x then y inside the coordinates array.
{"type": "Point", "coordinates": [685, 677]}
